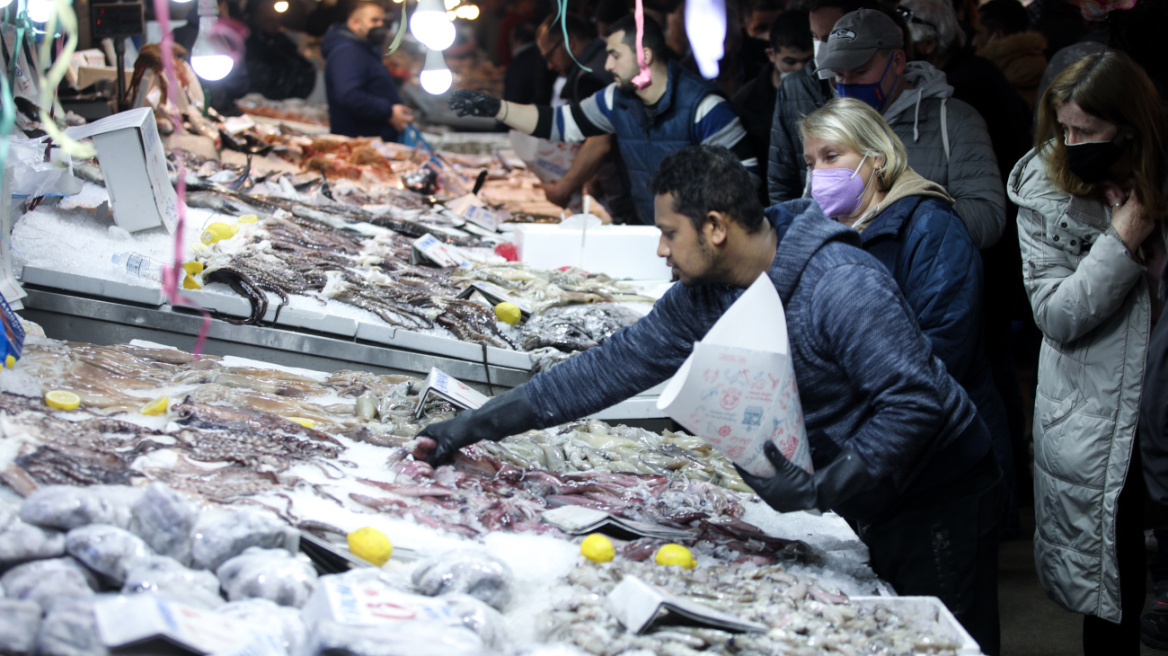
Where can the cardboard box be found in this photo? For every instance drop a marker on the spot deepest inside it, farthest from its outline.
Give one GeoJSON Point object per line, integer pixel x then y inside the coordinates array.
{"type": "Point", "coordinates": [130, 152]}
{"type": "Point", "coordinates": [620, 251]}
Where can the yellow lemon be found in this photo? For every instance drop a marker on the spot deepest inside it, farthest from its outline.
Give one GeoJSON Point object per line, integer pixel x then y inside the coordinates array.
{"type": "Point", "coordinates": [597, 548]}
{"type": "Point", "coordinates": [62, 400]}
{"type": "Point", "coordinates": [218, 231]}
{"type": "Point", "coordinates": [9, 362]}
{"type": "Point", "coordinates": [307, 423]}
{"type": "Point", "coordinates": [675, 554]}
{"type": "Point", "coordinates": [193, 268]}
{"type": "Point", "coordinates": [191, 283]}
{"type": "Point", "coordinates": [508, 313]}
{"type": "Point", "coordinates": [249, 218]}
{"type": "Point", "coordinates": [370, 544]}
{"type": "Point", "coordinates": [157, 406]}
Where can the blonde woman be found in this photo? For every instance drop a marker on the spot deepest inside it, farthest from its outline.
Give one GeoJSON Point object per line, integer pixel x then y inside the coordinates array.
{"type": "Point", "coordinates": [860, 177]}
{"type": "Point", "coordinates": [1090, 227]}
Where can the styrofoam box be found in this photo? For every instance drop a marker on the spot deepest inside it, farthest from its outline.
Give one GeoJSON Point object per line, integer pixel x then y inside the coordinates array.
{"type": "Point", "coordinates": [929, 613]}
{"type": "Point", "coordinates": [619, 251]}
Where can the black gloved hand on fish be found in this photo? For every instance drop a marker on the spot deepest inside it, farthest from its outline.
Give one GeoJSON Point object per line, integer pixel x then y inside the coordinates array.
{"type": "Point", "coordinates": [468, 102]}
{"type": "Point", "coordinates": [502, 416]}
{"type": "Point", "coordinates": [792, 488]}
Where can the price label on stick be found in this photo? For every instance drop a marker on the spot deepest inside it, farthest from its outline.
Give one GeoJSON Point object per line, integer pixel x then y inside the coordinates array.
{"type": "Point", "coordinates": [441, 384]}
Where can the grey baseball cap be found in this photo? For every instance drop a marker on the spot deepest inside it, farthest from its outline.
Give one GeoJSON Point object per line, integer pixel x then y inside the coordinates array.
{"type": "Point", "coordinates": [856, 38]}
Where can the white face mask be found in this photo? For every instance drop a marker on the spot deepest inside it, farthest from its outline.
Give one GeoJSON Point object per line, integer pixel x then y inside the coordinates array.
{"type": "Point", "coordinates": [816, 44]}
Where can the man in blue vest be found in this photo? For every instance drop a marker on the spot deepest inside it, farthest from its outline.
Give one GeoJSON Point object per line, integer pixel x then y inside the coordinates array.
{"type": "Point", "coordinates": [677, 109]}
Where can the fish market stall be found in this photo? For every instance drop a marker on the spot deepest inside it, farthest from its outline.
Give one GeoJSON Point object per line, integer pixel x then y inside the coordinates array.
{"type": "Point", "coordinates": [318, 270]}
{"type": "Point", "coordinates": [138, 481]}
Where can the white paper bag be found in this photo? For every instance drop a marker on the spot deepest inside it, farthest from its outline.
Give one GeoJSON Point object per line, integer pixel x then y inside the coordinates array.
{"type": "Point", "coordinates": [737, 389]}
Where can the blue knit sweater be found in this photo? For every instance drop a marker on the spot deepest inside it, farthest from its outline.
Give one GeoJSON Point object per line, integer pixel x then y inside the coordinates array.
{"type": "Point", "coordinates": [867, 377]}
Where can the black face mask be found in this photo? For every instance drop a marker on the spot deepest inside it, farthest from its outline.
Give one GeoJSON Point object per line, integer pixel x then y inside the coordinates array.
{"type": "Point", "coordinates": [377, 35]}
{"type": "Point", "coordinates": [1092, 161]}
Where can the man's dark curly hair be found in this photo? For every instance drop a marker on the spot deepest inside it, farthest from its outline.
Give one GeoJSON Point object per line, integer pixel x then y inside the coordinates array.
{"type": "Point", "coordinates": [707, 179]}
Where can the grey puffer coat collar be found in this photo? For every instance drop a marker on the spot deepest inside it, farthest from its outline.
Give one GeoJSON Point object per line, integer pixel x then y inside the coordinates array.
{"type": "Point", "coordinates": [1091, 302]}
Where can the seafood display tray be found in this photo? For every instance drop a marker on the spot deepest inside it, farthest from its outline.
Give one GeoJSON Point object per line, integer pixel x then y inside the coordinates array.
{"type": "Point", "coordinates": [124, 312]}
{"type": "Point", "coordinates": [929, 612]}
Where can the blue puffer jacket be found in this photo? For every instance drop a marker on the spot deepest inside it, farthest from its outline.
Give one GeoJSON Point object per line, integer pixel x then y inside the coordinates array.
{"type": "Point", "coordinates": [867, 377]}
{"type": "Point", "coordinates": [361, 93]}
{"type": "Point", "coordinates": [926, 247]}
{"type": "Point", "coordinates": [646, 139]}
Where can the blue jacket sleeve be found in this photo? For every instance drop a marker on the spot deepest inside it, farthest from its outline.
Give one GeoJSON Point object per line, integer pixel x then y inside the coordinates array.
{"type": "Point", "coordinates": [861, 320]}
{"type": "Point", "coordinates": [943, 286]}
{"type": "Point", "coordinates": [632, 360]}
{"type": "Point", "coordinates": [346, 71]}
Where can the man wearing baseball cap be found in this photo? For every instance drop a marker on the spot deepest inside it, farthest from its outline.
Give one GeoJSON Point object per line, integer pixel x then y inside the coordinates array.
{"type": "Point", "coordinates": [946, 139]}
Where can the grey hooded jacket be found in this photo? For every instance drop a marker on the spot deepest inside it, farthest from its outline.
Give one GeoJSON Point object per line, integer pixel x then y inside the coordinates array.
{"type": "Point", "coordinates": [1091, 302]}
{"type": "Point", "coordinates": [946, 139]}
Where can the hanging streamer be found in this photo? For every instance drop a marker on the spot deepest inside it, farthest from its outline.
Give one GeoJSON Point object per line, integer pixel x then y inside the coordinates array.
{"type": "Point", "coordinates": [644, 78]}
{"type": "Point", "coordinates": [401, 29]}
{"type": "Point", "coordinates": [64, 18]}
{"type": "Point", "coordinates": [564, 27]}
{"type": "Point", "coordinates": [173, 273]}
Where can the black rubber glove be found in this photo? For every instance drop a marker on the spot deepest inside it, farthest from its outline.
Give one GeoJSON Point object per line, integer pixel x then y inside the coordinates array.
{"type": "Point", "coordinates": [794, 489]}
{"type": "Point", "coordinates": [505, 415]}
{"type": "Point", "coordinates": [468, 102]}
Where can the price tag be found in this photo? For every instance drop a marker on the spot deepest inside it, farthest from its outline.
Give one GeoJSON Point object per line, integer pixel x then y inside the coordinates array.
{"type": "Point", "coordinates": [431, 248]}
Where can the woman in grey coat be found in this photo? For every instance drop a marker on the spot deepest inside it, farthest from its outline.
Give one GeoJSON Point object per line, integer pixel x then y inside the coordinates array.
{"type": "Point", "coordinates": [1090, 228]}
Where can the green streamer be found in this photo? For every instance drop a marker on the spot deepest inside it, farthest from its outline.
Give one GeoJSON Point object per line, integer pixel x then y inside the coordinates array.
{"type": "Point", "coordinates": [564, 26]}
{"type": "Point", "coordinates": [401, 29]}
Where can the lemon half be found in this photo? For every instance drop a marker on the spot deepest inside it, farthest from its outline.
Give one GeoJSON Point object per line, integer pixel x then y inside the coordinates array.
{"type": "Point", "coordinates": [675, 554]}
{"type": "Point", "coordinates": [62, 400]}
{"type": "Point", "coordinates": [305, 422]}
{"type": "Point", "coordinates": [597, 548]}
{"type": "Point", "coordinates": [370, 544]}
{"type": "Point", "coordinates": [157, 406]}
{"type": "Point", "coordinates": [508, 313]}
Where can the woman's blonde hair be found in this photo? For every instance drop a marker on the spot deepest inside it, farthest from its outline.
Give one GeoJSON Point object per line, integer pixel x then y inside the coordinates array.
{"type": "Point", "coordinates": [1110, 86]}
{"type": "Point", "coordinates": [855, 125]}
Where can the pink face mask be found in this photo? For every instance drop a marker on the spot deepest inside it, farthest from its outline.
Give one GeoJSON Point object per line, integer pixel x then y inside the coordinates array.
{"type": "Point", "coordinates": [838, 191]}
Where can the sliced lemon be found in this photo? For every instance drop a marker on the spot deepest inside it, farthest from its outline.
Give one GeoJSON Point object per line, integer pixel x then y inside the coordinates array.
{"type": "Point", "coordinates": [157, 406]}
{"type": "Point", "coordinates": [62, 400]}
{"type": "Point", "coordinates": [9, 362]}
{"type": "Point", "coordinates": [508, 313]}
{"type": "Point", "coordinates": [193, 268]}
{"type": "Point", "coordinates": [249, 218]}
{"type": "Point", "coordinates": [218, 231]}
{"type": "Point", "coordinates": [675, 554]}
{"type": "Point", "coordinates": [307, 423]}
{"type": "Point", "coordinates": [191, 283]}
{"type": "Point", "coordinates": [597, 548]}
{"type": "Point", "coordinates": [370, 544]}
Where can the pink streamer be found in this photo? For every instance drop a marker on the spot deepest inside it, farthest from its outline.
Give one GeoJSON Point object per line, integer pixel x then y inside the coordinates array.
{"type": "Point", "coordinates": [644, 78]}
{"type": "Point", "coordinates": [170, 276]}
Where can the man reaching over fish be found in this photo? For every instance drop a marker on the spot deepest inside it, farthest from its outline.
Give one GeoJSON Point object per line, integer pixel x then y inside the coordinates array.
{"type": "Point", "coordinates": [897, 446]}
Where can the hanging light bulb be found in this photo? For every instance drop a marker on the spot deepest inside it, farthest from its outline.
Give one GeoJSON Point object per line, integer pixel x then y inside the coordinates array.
{"type": "Point", "coordinates": [40, 11]}
{"type": "Point", "coordinates": [281, 6]}
{"type": "Point", "coordinates": [208, 59]}
{"type": "Point", "coordinates": [435, 76]}
{"type": "Point", "coordinates": [5, 3]}
{"type": "Point", "coordinates": [431, 25]}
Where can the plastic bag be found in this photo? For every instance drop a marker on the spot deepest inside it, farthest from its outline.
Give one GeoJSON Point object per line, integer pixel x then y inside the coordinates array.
{"type": "Point", "coordinates": [262, 615]}
{"type": "Point", "coordinates": [20, 541]}
{"type": "Point", "coordinates": [272, 574]}
{"type": "Point", "coordinates": [475, 573]}
{"type": "Point", "coordinates": [32, 176]}
{"type": "Point", "coordinates": [169, 578]}
{"type": "Point", "coordinates": [165, 519]}
{"type": "Point", "coordinates": [219, 535]}
{"type": "Point", "coordinates": [70, 629]}
{"type": "Point", "coordinates": [394, 639]}
{"type": "Point", "coordinates": [19, 622]}
{"type": "Point", "coordinates": [43, 581]}
{"type": "Point", "coordinates": [66, 507]}
{"type": "Point", "coordinates": [107, 550]}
